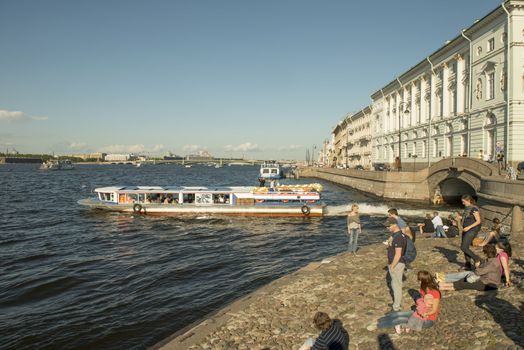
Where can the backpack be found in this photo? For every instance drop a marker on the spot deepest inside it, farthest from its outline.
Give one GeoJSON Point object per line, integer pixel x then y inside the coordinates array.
{"type": "Point", "coordinates": [411, 251]}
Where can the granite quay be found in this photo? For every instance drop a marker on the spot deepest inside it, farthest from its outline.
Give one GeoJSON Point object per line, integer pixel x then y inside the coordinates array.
{"type": "Point", "coordinates": [449, 178]}
{"type": "Point", "coordinates": [352, 288]}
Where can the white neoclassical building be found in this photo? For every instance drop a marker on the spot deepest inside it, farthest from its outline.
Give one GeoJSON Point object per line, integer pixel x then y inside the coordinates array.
{"type": "Point", "coordinates": [465, 99]}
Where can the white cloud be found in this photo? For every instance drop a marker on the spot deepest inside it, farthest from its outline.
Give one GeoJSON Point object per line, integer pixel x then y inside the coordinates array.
{"type": "Point", "coordinates": [138, 148]}
{"type": "Point", "coordinates": [193, 148]}
{"type": "Point", "coordinates": [158, 148]}
{"type": "Point", "coordinates": [77, 145]}
{"type": "Point", "coordinates": [244, 147]}
{"type": "Point", "coordinates": [291, 148]}
{"type": "Point", "coordinates": [17, 116]}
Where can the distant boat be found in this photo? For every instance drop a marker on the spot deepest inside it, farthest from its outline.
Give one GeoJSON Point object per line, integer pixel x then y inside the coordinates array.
{"type": "Point", "coordinates": [57, 164]}
{"type": "Point", "coordinates": [188, 166]}
{"type": "Point", "coordinates": [270, 170]}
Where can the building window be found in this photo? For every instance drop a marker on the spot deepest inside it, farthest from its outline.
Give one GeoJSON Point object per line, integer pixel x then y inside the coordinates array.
{"type": "Point", "coordinates": [490, 86]}
{"type": "Point", "coordinates": [435, 148]}
{"type": "Point", "coordinates": [491, 44]}
{"type": "Point", "coordinates": [479, 50]}
{"type": "Point", "coordinates": [405, 150]}
{"type": "Point", "coordinates": [424, 149]}
{"type": "Point", "coordinates": [414, 149]}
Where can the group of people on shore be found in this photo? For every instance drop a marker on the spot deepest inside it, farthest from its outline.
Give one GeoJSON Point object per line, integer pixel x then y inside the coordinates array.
{"type": "Point", "coordinates": [482, 274]}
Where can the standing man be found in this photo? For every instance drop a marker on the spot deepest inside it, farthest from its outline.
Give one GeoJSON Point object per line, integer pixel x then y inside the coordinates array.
{"type": "Point", "coordinates": [500, 161]}
{"type": "Point", "coordinates": [396, 263]}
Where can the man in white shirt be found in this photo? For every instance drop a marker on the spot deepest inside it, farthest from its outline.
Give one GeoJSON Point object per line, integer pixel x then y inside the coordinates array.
{"type": "Point", "coordinates": [439, 226]}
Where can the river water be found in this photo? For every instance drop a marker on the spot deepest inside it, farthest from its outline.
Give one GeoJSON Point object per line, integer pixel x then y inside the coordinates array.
{"type": "Point", "coordinates": [72, 278]}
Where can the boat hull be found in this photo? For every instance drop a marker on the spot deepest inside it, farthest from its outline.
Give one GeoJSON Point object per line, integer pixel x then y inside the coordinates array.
{"type": "Point", "coordinates": [314, 210]}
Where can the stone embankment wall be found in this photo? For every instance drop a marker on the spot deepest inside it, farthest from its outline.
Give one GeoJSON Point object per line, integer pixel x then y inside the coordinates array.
{"type": "Point", "coordinates": [500, 198]}
{"type": "Point", "coordinates": [394, 185]}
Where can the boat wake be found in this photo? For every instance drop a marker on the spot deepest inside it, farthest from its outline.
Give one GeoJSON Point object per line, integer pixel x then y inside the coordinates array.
{"type": "Point", "coordinates": [379, 210]}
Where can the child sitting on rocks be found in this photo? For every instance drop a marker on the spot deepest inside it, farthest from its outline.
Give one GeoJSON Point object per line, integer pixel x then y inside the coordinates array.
{"type": "Point", "coordinates": [332, 335]}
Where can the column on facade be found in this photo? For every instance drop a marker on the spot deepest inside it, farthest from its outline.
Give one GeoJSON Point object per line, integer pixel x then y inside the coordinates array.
{"type": "Point", "coordinates": [432, 96]}
{"type": "Point", "coordinates": [390, 113]}
{"type": "Point", "coordinates": [412, 104]}
{"type": "Point", "coordinates": [445, 91]}
{"type": "Point", "coordinates": [459, 85]}
{"type": "Point", "coordinates": [397, 120]}
{"type": "Point", "coordinates": [423, 87]}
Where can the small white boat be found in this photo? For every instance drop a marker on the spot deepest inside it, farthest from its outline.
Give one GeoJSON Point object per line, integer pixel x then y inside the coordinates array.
{"type": "Point", "coordinates": [287, 200]}
{"type": "Point", "coordinates": [188, 166]}
{"type": "Point", "coordinates": [270, 170]}
{"type": "Point", "coordinates": [57, 164]}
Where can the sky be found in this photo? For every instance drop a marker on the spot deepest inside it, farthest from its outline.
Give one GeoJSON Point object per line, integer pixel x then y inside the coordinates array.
{"type": "Point", "coordinates": [239, 78]}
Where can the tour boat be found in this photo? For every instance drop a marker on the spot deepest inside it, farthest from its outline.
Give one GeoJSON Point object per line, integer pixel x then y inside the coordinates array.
{"type": "Point", "coordinates": [54, 164]}
{"type": "Point", "coordinates": [284, 200]}
{"type": "Point", "coordinates": [270, 170]}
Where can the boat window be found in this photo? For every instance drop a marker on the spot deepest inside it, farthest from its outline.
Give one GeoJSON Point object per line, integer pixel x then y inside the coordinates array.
{"type": "Point", "coordinates": [265, 171]}
{"type": "Point", "coordinates": [106, 196]}
{"type": "Point", "coordinates": [189, 198]}
{"type": "Point", "coordinates": [171, 198]}
{"type": "Point", "coordinates": [141, 197]}
{"type": "Point", "coordinates": [203, 198]}
{"type": "Point", "coordinates": [132, 197]}
{"type": "Point", "coordinates": [221, 198]}
{"type": "Point", "coordinates": [274, 171]}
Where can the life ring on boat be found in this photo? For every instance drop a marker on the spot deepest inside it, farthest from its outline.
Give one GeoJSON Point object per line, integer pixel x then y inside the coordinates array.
{"type": "Point", "coordinates": [137, 208]}
{"type": "Point", "coordinates": [305, 210]}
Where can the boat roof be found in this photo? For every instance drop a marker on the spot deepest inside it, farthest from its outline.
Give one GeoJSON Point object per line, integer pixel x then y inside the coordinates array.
{"type": "Point", "coordinates": [160, 189]}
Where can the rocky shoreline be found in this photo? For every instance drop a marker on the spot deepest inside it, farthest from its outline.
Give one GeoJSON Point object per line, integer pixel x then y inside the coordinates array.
{"type": "Point", "coordinates": [352, 288]}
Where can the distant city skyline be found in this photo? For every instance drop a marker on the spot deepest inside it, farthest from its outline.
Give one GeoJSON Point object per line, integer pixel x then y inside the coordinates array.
{"type": "Point", "coordinates": [235, 78]}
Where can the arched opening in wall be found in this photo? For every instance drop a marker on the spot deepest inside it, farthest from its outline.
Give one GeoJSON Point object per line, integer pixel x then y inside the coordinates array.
{"type": "Point", "coordinates": [452, 189]}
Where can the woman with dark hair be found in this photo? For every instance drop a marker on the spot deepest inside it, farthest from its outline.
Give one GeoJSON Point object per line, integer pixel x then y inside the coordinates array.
{"type": "Point", "coordinates": [428, 306]}
{"type": "Point", "coordinates": [471, 226]}
{"type": "Point", "coordinates": [488, 273]}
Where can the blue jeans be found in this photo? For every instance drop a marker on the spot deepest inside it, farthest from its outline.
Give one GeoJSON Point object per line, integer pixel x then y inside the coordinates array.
{"type": "Point", "coordinates": [456, 276]}
{"type": "Point", "coordinates": [439, 232]}
{"type": "Point", "coordinates": [353, 239]}
{"type": "Point", "coordinates": [399, 318]}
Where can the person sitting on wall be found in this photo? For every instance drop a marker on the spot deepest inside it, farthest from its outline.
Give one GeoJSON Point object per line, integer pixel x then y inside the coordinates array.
{"type": "Point", "coordinates": [427, 227]}
{"type": "Point", "coordinates": [439, 226]}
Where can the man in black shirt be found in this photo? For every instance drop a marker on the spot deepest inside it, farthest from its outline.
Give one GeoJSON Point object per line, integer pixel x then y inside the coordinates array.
{"type": "Point", "coordinates": [396, 264]}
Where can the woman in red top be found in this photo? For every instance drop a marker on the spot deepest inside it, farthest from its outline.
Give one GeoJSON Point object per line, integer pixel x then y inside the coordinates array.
{"type": "Point", "coordinates": [428, 307]}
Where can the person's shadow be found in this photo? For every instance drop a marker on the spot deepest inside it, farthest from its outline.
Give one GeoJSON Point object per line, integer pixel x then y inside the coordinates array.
{"type": "Point", "coordinates": [505, 314]}
{"type": "Point", "coordinates": [451, 255]}
{"type": "Point", "coordinates": [385, 342]}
